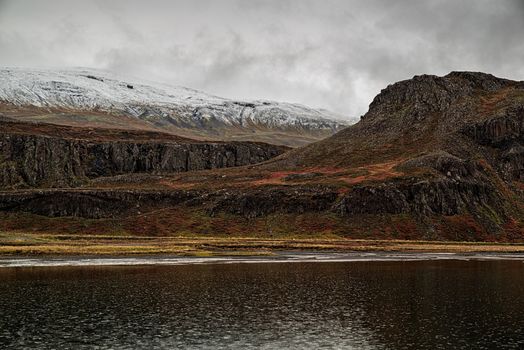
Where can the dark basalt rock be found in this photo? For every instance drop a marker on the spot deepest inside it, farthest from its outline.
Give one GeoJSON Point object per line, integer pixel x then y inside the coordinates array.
{"type": "Point", "coordinates": [442, 197]}
{"type": "Point", "coordinates": [504, 137]}
{"type": "Point", "coordinates": [93, 204]}
{"type": "Point", "coordinates": [96, 204]}
{"type": "Point", "coordinates": [36, 161]}
{"type": "Point", "coordinates": [500, 131]}
{"type": "Point", "coordinates": [263, 201]}
{"type": "Point", "coordinates": [430, 93]}
{"type": "Point", "coordinates": [444, 163]}
{"type": "Point", "coordinates": [419, 198]}
{"type": "Point", "coordinates": [511, 165]}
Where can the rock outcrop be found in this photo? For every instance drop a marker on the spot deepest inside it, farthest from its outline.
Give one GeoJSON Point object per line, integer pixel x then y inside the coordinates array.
{"type": "Point", "coordinates": [92, 204]}
{"type": "Point", "coordinates": [46, 161]}
{"type": "Point", "coordinates": [264, 201]}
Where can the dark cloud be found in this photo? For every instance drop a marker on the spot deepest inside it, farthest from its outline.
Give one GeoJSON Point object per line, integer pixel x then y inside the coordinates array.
{"type": "Point", "coordinates": [335, 54]}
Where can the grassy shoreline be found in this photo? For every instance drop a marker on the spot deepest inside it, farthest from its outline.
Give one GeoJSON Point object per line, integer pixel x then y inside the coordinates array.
{"type": "Point", "coordinates": [24, 244]}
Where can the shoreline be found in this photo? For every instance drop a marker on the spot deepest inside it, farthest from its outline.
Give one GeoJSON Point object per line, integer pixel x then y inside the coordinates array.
{"type": "Point", "coordinates": [277, 257]}
{"type": "Point", "coordinates": [15, 244]}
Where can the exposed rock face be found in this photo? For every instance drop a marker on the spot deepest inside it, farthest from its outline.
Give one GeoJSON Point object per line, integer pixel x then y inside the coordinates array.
{"type": "Point", "coordinates": [423, 114]}
{"type": "Point", "coordinates": [265, 201]}
{"type": "Point", "coordinates": [88, 203]}
{"type": "Point", "coordinates": [420, 198]}
{"type": "Point", "coordinates": [36, 160]}
{"type": "Point", "coordinates": [430, 93]}
{"type": "Point", "coordinates": [445, 197]}
{"type": "Point", "coordinates": [504, 135]}
{"type": "Point", "coordinates": [96, 204]}
{"type": "Point", "coordinates": [499, 131]}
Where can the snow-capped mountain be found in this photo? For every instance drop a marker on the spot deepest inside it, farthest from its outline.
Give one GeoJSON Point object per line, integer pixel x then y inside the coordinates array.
{"type": "Point", "coordinates": [159, 104]}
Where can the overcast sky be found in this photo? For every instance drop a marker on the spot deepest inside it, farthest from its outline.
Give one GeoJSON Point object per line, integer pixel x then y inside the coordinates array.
{"type": "Point", "coordinates": [335, 54]}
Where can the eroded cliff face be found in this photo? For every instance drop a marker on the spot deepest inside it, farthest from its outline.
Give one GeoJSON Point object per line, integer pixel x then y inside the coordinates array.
{"type": "Point", "coordinates": [503, 135]}
{"type": "Point", "coordinates": [92, 204]}
{"type": "Point", "coordinates": [46, 161]}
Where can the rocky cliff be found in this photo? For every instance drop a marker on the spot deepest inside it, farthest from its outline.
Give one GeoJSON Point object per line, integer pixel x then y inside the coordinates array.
{"type": "Point", "coordinates": [40, 160]}
{"type": "Point", "coordinates": [93, 204]}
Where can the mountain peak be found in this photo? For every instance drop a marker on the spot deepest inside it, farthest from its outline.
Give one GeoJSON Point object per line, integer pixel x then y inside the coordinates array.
{"type": "Point", "coordinates": [425, 113]}
{"type": "Point", "coordinates": [430, 93]}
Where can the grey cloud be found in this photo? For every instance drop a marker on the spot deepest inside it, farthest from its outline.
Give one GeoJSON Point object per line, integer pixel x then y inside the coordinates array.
{"type": "Point", "coordinates": [335, 54]}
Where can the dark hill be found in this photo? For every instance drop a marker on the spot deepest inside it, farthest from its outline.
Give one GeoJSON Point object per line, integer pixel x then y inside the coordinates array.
{"type": "Point", "coordinates": [439, 146]}
{"type": "Point", "coordinates": [455, 113]}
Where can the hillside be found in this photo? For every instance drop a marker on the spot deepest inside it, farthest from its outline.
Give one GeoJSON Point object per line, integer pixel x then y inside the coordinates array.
{"type": "Point", "coordinates": [437, 158]}
{"type": "Point", "coordinates": [97, 98]}
{"type": "Point", "coordinates": [455, 113]}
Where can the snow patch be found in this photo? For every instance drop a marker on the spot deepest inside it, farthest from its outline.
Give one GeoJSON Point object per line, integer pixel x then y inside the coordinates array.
{"type": "Point", "coordinates": [98, 90]}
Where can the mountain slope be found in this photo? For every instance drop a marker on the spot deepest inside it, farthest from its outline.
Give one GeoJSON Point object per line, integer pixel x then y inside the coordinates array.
{"type": "Point", "coordinates": [438, 158]}
{"type": "Point", "coordinates": [179, 110]}
{"type": "Point", "coordinates": [447, 152]}
{"type": "Point", "coordinates": [420, 115]}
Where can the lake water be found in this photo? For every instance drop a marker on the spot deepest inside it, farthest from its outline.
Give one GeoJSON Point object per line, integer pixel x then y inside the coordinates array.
{"type": "Point", "coordinates": [438, 302]}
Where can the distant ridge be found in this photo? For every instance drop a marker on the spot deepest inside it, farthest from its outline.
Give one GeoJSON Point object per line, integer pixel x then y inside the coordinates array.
{"type": "Point", "coordinates": [188, 112]}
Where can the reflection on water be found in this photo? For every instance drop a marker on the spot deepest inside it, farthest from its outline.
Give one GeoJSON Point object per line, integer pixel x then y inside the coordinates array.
{"type": "Point", "coordinates": [440, 304]}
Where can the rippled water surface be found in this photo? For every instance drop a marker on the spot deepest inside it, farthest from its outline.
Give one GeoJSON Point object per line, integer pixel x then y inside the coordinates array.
{"type": "Point", "coordinates": [388, 304]}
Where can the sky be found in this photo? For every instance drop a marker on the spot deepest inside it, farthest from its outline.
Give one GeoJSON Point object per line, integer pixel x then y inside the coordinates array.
{"type": "Point", "coordinates": [333, 54]}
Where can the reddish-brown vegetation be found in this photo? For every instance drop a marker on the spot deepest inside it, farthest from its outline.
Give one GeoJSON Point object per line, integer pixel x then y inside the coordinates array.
{"type": "Point", "coordinates": [375, 172]}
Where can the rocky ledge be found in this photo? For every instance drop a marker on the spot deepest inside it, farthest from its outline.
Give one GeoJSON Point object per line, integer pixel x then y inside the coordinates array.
{"type": "Point", "coordinates": [41, 160]}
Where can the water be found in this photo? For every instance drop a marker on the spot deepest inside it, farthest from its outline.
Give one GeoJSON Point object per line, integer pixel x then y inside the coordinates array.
{"type": "Point", "coordinates": [442, 302]}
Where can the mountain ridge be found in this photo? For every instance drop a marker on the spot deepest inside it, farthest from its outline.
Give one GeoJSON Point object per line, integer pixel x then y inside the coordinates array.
{"type": "Point", "coordinates": [168, 108]}
{"type": "Point", "coordinates": [416, 115]}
